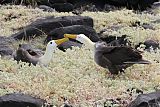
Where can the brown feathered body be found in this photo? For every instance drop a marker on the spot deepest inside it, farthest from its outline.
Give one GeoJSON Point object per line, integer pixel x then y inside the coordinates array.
{"type": "Point", "coordinates": [117, 58]}
{"type": "Point", "coordinates": [26, 55]}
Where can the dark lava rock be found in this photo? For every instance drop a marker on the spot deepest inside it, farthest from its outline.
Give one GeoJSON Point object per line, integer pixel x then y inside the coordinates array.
{"type": "Point", "coordinates": [25, 2]}
{"type": "Point", "coordinates": [69, 44]}
{"type": "Point", "coordinates": [99, 4]}
{"type": "Point", "coordinates": [108, 7]}
{"type": "Point", "coordinates": [88, 5]}
{"type": "Point", "coordinates": [6, 1]}
{"type": "Point", "coordinates": [146, 100]}
{"type": "Point", "coordinates": [75, 29]}
{"type": "Point", "coordinates": [133, 4]}
{"type": "Point", "coordinates": [20, 100]}
{"type": "Point", "coordinates": [6, 40]}
{"type": "Point", "coordinates": [149, 43]}
{"type": "Point", "coordinates": [117, 41]}
{"type": "Point", "coordinates": [5, 46]}
{"type": "Point", "coordinates": [63, 7]}
{"type": "Point", "coordinates": [116, 102]}
{"type": "Point", "coordinates": [57, 1]}
{"type": "Point", "coordinates": [118, 2]}
{"type": "Point", "coordinates": [5, 50]}
{"type": "Point", "coordinates": [44, 26]}
{"type": "Point", "coordinates": [18, 2]}
{"type": "Point", "coordinates": [148, 26]}
{"type": "Point", "coordinates": [144, 25]}
{"type": "Point", "coordinates": [46, 8]}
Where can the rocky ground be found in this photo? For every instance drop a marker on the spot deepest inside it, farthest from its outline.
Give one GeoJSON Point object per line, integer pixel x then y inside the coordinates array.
{"type": "Point", "coordinates": [74, 75]}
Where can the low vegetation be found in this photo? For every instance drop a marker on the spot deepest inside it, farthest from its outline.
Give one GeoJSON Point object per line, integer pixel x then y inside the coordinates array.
{"type": "Point", "coordinates": [73, 74]}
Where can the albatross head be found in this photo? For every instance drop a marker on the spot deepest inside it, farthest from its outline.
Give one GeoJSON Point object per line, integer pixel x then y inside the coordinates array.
{"type": "Point", "coordinates": [100, 44]}
{"type": "Point", "coordinates": [51, 46]}
{"type": "Point", "coordinates": [81, 38]}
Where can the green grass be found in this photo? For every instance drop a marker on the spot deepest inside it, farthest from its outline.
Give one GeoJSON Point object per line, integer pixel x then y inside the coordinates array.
{"type": "Point", "coordinates": [74, 74]}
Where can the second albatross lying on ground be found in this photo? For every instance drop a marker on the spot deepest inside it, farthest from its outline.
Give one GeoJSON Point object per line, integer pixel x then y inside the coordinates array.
{"type": "Point", "coordinates": [34, 58]}
{"type": "Point", "coordinates": [115, 58]}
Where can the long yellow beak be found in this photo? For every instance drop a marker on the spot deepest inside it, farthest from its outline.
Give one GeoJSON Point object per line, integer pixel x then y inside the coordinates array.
{"type": "Point", "coordinates": [72, 36]}
{"type": "Point", "coordinates": [60, 41]}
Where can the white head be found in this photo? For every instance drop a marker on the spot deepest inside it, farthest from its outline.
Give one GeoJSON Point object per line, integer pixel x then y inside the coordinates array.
{"type": "Point", "coordinates": [81, 38]}
{"type": "Point", "coordinates": [101, 44]}
{"type": "Point", "coordinates": [51, 46]}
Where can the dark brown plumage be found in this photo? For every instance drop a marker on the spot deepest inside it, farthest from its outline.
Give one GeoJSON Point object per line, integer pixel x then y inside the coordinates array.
{"type": "Point", "coordinates": [25, 54]}
{"type": "Point", "coordinates": [30, 56]}
{"type": "Point", "coordinates": [117, 58]}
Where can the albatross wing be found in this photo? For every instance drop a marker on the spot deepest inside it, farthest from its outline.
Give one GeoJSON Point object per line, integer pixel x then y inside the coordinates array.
{"type": "Point", "coordinates": [138, 62]}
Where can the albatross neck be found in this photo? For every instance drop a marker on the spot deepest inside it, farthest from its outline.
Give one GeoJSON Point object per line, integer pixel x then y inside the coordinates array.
{"type": "Point", "coordinates": [46, 58]}
{"type": "Point", "coordinates": [90, 44]}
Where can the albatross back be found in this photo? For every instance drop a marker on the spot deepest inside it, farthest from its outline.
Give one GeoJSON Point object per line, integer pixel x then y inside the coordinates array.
{"type": "Point", "coordinates": [116, 58]}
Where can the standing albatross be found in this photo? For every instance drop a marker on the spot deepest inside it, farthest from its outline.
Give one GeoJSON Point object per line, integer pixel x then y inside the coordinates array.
{"type": "Point", "coordinates": [115, 58]}
{"type": "Point", "coordinates": [34, 58]}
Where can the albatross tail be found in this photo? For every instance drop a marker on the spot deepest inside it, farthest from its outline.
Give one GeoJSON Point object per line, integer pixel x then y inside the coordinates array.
{"type": "Point", "coordinates": [142, 61]}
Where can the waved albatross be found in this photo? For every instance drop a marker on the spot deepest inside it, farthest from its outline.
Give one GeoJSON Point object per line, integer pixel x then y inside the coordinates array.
{"type": "Point", "coordinates": [34, 58]}
{"type": "Point", "coordinates": [115, 58]}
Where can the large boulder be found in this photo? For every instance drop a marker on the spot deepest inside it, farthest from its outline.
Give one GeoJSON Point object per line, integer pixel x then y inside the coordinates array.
{"type": "Point", "coordinates": [6, 46]}
{"type": "Point", "coordinates": [25, 2]}
{"type": "Point", "coordinates": [146, 100]}
{"type": "Point", "coordinates": [57, 1]}
{"type": "Point", "coordinates": [6, 1]}
{"type": "Point", "coordinates": [74, 29]}
{"type": "Point", "coordinates": [6, 50]}
{"type": "Point", "coordinates": [117, 41]}
{"type": "Point", "coordinates": [6, 40]}
{"type": "Point", "coordinates": [44, 26]}
{"type": "Point", "coordinates": [20, 100]}
{"type": "Point", "coordinates": [46, 8]}
{"type": "Point", "coordinates": [133, 4]}
{"type": "Point", "coordinates": [150, 45]}
{"type": "Point", "coordinates": [100, 4]}
{"type": "Point", "coordinates": [63, 7]}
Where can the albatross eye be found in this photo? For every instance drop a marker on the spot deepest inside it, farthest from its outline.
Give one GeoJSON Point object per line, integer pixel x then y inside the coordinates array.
{"type": "Point", "coordinates": [78, 37]}
{"type": "Point", "coordinates": [50, 42]}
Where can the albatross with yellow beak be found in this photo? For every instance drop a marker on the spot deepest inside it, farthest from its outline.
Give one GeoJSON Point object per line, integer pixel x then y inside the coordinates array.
{"type": "Point", "coordinates": [115, 58]}
{"type": "Point", "coordinates": [32, 57]}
